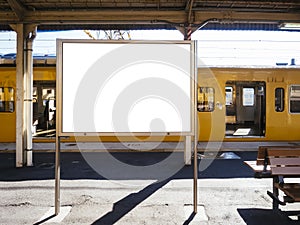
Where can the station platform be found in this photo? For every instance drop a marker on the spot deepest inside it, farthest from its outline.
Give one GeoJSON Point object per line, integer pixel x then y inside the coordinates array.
{"type": "Point", "coordinates": [144, 146]}
{"type": "Point", "coordinates": [227, 191]}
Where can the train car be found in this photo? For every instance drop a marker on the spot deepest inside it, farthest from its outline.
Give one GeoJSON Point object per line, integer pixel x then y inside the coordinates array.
{"type": "Point", "coordinates": [234, 104]}
{"type": "Point", "coordinates": [43, 98]}
{"type": "Point", "coordinates": [249, 104]}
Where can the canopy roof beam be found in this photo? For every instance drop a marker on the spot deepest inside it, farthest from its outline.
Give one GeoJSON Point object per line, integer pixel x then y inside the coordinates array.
{"type": "Point", "coordinates": [18, 9]}
{"type": "Point", "coordinates": [143, 17]}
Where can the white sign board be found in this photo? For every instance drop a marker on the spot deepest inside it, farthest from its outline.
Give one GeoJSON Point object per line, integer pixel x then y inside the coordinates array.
{"type": "Point", "coordinates": [111, 87]}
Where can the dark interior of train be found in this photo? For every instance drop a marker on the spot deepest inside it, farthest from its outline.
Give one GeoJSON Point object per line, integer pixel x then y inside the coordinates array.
{"type": "Point", "coordinates": [245, 108]}
{"type": "Point", "coordinates": [44, 109]}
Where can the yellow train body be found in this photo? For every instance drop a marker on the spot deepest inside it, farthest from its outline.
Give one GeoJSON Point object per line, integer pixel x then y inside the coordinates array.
{"type": "Point", "coordinates": [278, 125]}
{"type": "Point", "coordinates": [235, 104]}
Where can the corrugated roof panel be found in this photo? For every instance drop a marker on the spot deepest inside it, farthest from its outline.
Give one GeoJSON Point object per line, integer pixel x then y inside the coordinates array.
{"type": "Point", "coordinates": [56, 8]}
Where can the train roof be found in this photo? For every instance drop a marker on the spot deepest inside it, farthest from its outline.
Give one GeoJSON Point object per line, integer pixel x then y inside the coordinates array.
{"type": "Point", "coordinates": [9, 60]}
{"type": "Point", "coordinates": [38, 59]}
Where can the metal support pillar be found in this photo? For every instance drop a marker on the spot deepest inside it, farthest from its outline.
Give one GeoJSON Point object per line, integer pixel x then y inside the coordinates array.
{"type": "Point", "coordinates": [188, 33]}
{"type": "Point", "coordinates": [25, 36]}
{"type": "Point", "coordinates": [28, 89]}
{"type": "Point", "coordinates": [19, 28]}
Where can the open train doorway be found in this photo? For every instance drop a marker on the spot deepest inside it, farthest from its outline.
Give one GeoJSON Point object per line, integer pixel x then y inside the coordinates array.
{"type": "Point", "coordinates": [245, 108]}
{"type": "Point", "coordinates": [44, 109]}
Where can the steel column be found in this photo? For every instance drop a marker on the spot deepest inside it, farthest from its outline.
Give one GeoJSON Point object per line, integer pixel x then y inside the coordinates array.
{"type": "Point", "coordinates": [19, 28]}
{"type": "Point", "coordinates": [25, 36]}
{"type": "Point", "coordinates": [28, 86]}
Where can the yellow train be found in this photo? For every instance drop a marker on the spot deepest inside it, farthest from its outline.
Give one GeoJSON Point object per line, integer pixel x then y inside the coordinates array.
{"type": "Point", "coordinates": [249, 104]}
{"type": "Point", "coordinates": [234, 104]}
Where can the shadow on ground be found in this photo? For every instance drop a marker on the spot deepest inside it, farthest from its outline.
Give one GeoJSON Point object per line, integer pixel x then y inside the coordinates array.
{"type": "Point", "coordinates": [125, 205]}
{"type": "Point", "coordinates": [254, 216]}
{"type": "Point", "coordinates": [74, 166]}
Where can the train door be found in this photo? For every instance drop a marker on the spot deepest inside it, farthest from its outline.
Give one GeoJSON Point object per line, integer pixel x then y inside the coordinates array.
{"type": "Point", "coordinates": [245, 108]}
{"type": "Point", "coordinates": [44, 108]}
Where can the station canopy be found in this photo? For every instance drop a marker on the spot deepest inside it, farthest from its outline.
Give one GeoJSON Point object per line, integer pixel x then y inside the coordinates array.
{"type": "Point", "coordinates": [149, 14]}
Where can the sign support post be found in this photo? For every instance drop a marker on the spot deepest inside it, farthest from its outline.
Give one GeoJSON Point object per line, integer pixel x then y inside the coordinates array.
{"type": "Point", "coordinates": [57, 174]}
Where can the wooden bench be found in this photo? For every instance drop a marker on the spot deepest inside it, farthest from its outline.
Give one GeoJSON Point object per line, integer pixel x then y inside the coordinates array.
{"type": "Point", "coordinates": [261, 165]}
{"type": "Point", "coordinates": [279, 162]}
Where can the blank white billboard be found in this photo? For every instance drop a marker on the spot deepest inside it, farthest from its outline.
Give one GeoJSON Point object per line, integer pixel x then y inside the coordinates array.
{"type": "Point", "coordinates": [125, 87]}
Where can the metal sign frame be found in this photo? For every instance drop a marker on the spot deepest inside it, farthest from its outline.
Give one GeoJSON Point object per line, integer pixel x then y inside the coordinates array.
{"type": "Point", "coordinates": [63, 87]}
{"type": "Point", "coordinates": [190, 136]}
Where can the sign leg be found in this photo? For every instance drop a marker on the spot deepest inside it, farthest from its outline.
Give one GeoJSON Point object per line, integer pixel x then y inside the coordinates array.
{"type": "Point", "coordinates": [195, 174]}
{"type": "Point", "coordinates": [57, 175]}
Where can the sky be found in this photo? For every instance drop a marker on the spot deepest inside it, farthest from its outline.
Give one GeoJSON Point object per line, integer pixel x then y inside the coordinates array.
{"type": "Point", "coordinates": [218, 48]}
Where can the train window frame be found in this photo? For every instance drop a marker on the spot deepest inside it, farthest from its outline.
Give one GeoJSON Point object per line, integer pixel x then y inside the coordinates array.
{"type": "Point", "coordinates": [209, 95]}
{"type": "Point", "coordinates": [7, 106]}
{"type": "Point", "coordinates": [294, 99]}
{"type": "Point", "coordinates": [279, 99]}
{"type": "Point", "coordinates": [248, 96]}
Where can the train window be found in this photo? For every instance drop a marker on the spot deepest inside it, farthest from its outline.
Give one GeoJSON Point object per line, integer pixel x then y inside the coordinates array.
{"type": "Point", "coordinates": [229, 95]}
{"type": "Point", "coordinates": [248, 96]}
{"type": "Point", "coordinates": [6, 99]}
{"type": "Point", "coordinates": [295, 99]}
{"type": "Point", "coordinates": [279, 99]}
{"type": "Point", "coordinates": [48, 93]}
{"type": "Point", "coordinates": [206, 99]}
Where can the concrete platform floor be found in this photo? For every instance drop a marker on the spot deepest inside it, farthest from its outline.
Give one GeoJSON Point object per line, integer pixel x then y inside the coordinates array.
{"type": "Point", "coordinates": [161, 146]}
{"type": "Point", "coordinates": [228, 193]}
